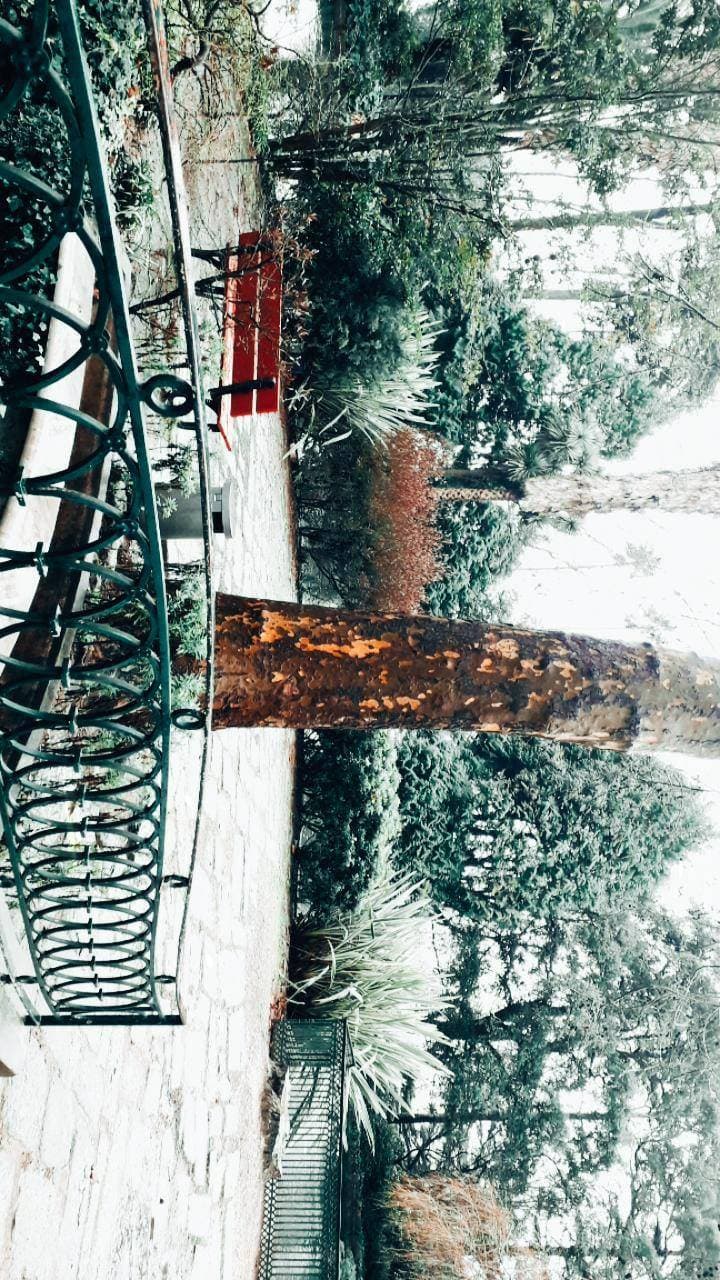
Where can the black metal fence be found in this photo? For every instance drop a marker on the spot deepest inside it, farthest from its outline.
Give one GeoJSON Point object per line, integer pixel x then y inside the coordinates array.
{"type": "Point", "coordinates": [301, 1221]}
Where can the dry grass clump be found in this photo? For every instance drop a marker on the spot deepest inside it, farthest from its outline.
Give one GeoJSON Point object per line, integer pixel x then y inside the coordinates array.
{"type": "Point", "coordinates": [406, 551]}
{"type": "Point", "coordinates": [450, 1226]}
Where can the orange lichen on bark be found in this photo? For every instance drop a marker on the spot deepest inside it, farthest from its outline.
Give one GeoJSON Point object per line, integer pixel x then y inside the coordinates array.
{"type": "Point", "coordinates": [352, 649]}
{"type": "Point", "coordinates": [509, 649]}
{"type": "Point", "coordinates": [275, 627]}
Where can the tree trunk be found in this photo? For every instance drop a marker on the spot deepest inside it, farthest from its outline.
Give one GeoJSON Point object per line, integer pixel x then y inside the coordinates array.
{"type": "Point", "coordinates": [478, 1117]}
{"type": "Point", "coordinates": [502, 1024]}
{"type": "Point", "coordinates": [488, 484]}
{"type": "Point", "coordinates": [557, 295]}
{"type": "Point", "coordinates": [607, 217]}
{"type": "Point", "coordinates": [304, 667]}
{"type": "Point", "coordinates": [592, 492]}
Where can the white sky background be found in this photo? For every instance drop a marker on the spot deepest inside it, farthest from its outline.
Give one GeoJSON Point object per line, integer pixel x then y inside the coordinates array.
{"type": "Point", "coordinates": [573, 581]}
{"type": "Point", "coordinates": [570, 582]}
{"type": "Point", "coordinates": [293, 25]}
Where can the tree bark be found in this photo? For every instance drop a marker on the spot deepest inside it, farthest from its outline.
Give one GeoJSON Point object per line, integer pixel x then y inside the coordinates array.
{"type": "Point", "coordinates": [607, 217]}
{"type": "Point", "coordinates": [304, 667]}
{"type": "Point", "coordinates": [591, 492]}
{"type": "Point", "coordinates": [489, 484]}
{"type": "Point", "coordinates": [477, 1117]}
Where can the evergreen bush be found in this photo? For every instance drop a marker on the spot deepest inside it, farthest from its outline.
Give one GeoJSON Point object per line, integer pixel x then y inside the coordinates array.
{"type": "Point", "coordinates": [349, 813]}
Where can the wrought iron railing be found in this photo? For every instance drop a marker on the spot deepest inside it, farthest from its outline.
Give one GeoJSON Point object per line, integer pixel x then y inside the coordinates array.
{"type": "Point", "coordinates": [85, 702]}
{"type": "Point", "coordinates": [301, 1218]}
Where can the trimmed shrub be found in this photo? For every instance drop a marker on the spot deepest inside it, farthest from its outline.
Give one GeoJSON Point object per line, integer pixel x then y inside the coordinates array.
{"type": "Point", "coordinates": [368, 1172]}
{"type": "Point", "coordinates": [450, 1228]}
{"type": "Point", "coordinates": [367, 522]}
{"type": "Point", "coordinates": [479, 544]}
{"type": "Point", "coordinates": [35, 137]}
{"type": "Point", "coordinates": [376, 532]}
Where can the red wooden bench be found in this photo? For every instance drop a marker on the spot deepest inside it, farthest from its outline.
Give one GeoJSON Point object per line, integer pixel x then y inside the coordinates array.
{"type": "Point", "coordinates": [250, 371]}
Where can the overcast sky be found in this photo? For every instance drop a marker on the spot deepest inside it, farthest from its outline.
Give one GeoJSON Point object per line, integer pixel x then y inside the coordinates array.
{"type": "Point", "coordinates": [646, 576]}
{"type": "Point", "coordinates": [591, 582]}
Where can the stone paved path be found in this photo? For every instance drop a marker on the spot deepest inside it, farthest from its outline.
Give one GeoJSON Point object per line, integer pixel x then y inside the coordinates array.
{"type": "Point", "coordinates": [134, 1154]}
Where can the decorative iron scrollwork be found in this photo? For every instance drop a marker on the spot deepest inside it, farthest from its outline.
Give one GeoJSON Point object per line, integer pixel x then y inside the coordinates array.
{"type": "Point", "coordinates": [84, 652]}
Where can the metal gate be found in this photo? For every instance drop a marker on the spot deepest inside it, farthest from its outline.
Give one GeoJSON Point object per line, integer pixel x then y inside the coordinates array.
{"type": "Point", "coordinates": [301, 1220]}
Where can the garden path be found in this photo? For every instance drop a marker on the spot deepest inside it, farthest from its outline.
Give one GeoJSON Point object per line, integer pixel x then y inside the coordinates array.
{"type": "Point", "coordinates": [137, 1154]}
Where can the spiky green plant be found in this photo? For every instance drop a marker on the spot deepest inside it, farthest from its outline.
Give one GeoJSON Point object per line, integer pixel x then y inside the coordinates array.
{"type": "Point", "coordinates": [367, 967]}
{"type": "Point", "coordinates": [186, 689]}
{"type": "Point", "coordinates": [400, 398]}
{"type": "Point", "coordinates": [561, 441]}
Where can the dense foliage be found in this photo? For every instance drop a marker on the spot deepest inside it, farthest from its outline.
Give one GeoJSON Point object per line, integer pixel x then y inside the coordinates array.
{"type": "Point", "coordinates": [518, 391]}
{"type": "Point", "coordinates": [368, 1173]}
{"type": "Point", "coordinates": [448, 1226]}
{"type": "Point", "coordinates": [35, 137]}
{"type": "Point", "coordinates": [512, 393]}
{"type": "Point", "coordinates": [600, 1054]}
{"type": "Point", "coordinates": [538, 75]}
{"type": "Point", "coordinates": [568, 994]}
{"type": "Point", "coordinates": [403, 511]}
{"type": "Point", "coordinates": [380, 44]}
{"type": "Point", "coordinates": [368, 522]}
{"type": "Point", "coordinates": [509, 831]}
{"type": "Point", "coordinates": [480, 543]}
{"type": "Point", "coordinates": [397, 162]}
{"type": "Point", "coordinates": [349, 813]}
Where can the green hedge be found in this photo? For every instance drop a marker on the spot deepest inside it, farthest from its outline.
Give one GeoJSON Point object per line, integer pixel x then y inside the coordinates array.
{"type": "Point", "coordinates": [349, 813]}
{"type": "Point", "coordinates": [367, 1231]}
{"type": "Point", "coordinates": [34, 137]}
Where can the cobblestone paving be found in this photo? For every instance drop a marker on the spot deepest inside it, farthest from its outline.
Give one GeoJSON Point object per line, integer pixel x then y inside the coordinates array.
{"type": "Point", "coordinates": [133, 1154]}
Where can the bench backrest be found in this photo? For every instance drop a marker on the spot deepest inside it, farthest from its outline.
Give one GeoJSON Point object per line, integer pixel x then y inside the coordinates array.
{"type": "Point", "coordinates": [253, 309]}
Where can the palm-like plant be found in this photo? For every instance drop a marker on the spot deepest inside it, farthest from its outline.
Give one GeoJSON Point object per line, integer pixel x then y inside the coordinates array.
{"type": "Point", "coordinates": [399, 398]}
{"type": "Point", "coordinates": [562, 440]}
{"type": "Point", "coordinates": [367, 968]}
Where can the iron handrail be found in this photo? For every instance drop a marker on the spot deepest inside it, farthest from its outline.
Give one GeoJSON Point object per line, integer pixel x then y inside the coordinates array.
{"type": "Point", "coordinates": [302, 1205]}
{"type": "Point", "coordinates": [85, 704]}
{"type": "Point", "coordinates": [182, 253]}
